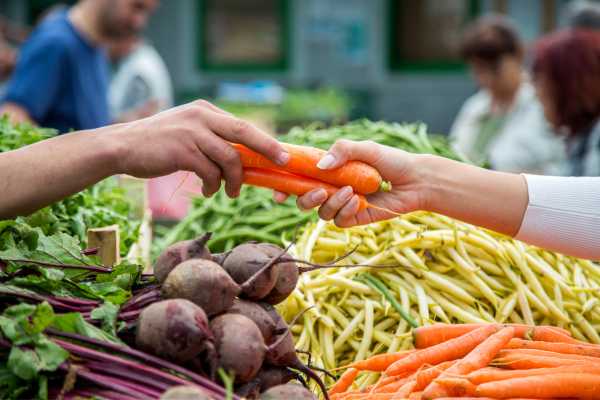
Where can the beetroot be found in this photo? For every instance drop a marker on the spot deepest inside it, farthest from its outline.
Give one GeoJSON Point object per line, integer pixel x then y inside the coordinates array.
{"type": "Point", "coordinates": [257, 314]}
{"type": "Point", "coordinates": [273, 376]}
{"type": "Point", "coordinates": [202, 282]}
{"type": "Point", "coordinates": [287, 392]}
{"type": "Point", "coordinates": [239, 345]}
{"type": "Point", "coordinates": [287, 275]}
{"type": "Point", "coordinates": [179, 252]}
{"type": "Point", "coordinates": [174, 329]}
{"type": "Point", "coordinates": [243, 262]}
{"type": "Point", "coordinates": [185, 392]}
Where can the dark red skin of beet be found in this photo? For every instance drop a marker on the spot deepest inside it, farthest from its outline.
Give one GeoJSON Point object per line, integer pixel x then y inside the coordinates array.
{"type": "Point", "coordinates": [257, 314]}
{"type": "Point", "coordinates": [287, 392]}
{"type": "Point", "coordinates": [179, 252]}
{"type": "Point", "coordinates": [243, 261]}
{"type": "Point", "coordinates": [204, 283]}
{"type": "Point", "coordinates": [174, 329]}
{"type": "Point", "coordinates": [287, 275]}
{"type": "Point", "coordinates": [239, 344]}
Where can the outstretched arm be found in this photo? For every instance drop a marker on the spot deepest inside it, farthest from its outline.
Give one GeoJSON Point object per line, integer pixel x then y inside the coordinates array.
{"type": "Point", "coordinates": [561, 214]}
{"type": "Point", "coordinates": [193, 137]}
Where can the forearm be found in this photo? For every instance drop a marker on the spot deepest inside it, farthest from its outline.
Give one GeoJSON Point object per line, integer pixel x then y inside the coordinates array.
{"type": "Point", "coordinates": [40, 174]}
{"type": "Point", "coordinates": [494, 200]}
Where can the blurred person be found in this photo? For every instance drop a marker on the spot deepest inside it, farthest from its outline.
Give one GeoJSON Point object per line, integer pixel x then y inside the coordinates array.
{"type": "Point", "coordinates": [503, 122]}
{"type": "Point", "coordinates": [61, 78]}
{"type": "Point", "coordinates": [140, 85]}
{"type": "Point", "coordinates": [583, 14]}
{"type": "Point", "coordinates": [567, 78]}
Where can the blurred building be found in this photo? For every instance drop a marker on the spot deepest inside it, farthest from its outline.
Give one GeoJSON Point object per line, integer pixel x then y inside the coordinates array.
{"type": "Point", "coordinates": [398, 57]}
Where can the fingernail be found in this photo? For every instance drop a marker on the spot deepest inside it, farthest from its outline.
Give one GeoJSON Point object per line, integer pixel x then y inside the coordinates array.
{"type": "Point", "coordinates": [345, 193]}
{"type": "Point", "coordinates": [283, 158]}
{"type": "Point", "coordinates": [319, 196]}
{"type": "Point", "coordinates": [326, 162]}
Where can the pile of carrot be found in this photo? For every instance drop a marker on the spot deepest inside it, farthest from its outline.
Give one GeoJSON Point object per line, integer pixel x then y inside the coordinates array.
{"type": "Point", "coordinates": [481, 361]}
{"type": "Point", "coordinates": [301, 174]}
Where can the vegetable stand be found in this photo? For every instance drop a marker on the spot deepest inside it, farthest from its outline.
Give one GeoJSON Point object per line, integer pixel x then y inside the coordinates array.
{"type": "Point", "coordinates": [245, 295]}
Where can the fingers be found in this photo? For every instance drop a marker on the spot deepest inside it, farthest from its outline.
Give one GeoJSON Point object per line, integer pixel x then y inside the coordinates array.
{"type": "Point", "coordinates": [239, 131]}
{"type": "Point", "coordinates": [312, 199]}
{"type": "Point", "coordinates": [332, 206]}
{"type": "Point", "coordinates": [279, 197]}
{"type": "Point", "coordinates": [212, 107]}
{"type": "Point", "coordinates": [226, 158]}
{"type": "Point", "coordinates": [347, 215]}
{"type": "Point", "coordinates": [207, 171]}
{"type": "Point", "coordinates": [346, 150]}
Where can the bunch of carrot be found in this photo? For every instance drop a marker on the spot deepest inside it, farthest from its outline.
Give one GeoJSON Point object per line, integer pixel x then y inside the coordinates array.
{"type": "Point", "coordinates": [481, 361]}
{"type": "Point", "coordinates": [301, 174]}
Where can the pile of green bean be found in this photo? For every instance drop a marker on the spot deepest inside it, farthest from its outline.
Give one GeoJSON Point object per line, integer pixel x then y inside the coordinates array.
{"type": "Point", "coordinates": [441, 270]}
{"type": "Point", "coordinates": [251, 216]}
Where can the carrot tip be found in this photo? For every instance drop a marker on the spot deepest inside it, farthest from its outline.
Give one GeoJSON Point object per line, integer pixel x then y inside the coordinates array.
{"type": "Point", "coordinates": [385, 186]}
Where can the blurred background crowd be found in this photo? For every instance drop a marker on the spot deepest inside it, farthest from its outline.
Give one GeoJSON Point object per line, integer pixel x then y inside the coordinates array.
{"type": "Point", "coordinates": [515, 83]}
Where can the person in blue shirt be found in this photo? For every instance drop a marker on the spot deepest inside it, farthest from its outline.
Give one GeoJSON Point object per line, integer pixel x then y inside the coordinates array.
{"type": "Point", "coordinates": [62, 75]}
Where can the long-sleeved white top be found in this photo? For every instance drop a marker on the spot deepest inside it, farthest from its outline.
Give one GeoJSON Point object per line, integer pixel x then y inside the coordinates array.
{"type": "Point", "coordinates": [563, 215]}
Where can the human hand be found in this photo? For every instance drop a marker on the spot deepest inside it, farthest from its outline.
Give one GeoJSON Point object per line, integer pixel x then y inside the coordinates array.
{"type": "Point", "coordinates": [396, 166]}
{"type": "Point", "coordinates": [193, 137]}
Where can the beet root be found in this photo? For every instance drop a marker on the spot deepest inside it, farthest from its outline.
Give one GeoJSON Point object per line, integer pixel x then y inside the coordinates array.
{"type": "Point", "coordinates": [257, 314]}
{"type": "Point", "coordinates": [243, 262]}
{"type": "Point", "coordinates": [287, 392]}
{"type": "Point", "coordinates": [202, 282]}
{"type": "Point", "coordinates": [239, 345]}
{"type": "Point", "coordinates": [185, 392]}
{"type": "Point", "coordinates": [174, 329]}
{"type": "Point", "coordinates": [273, 376]}
{"type": "Point", "coordinates": [287, 274]}
{"type": "Point", "coordinates": [179, 252]}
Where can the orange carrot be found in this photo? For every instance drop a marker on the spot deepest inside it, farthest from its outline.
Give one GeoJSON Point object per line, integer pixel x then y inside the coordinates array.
{"type": "Point", "coordinates": [523, 361]}
{"type": "Point", "coordinates": [545, 353]}
{"type": "Point", "coordinates": [363, 178]}
{"type": "Point", "coordinates": [431, 335]}
{"type": "Point", "coordinates": [380, 362]}
{"type": "Point", "coordinates": [478, 358]}
{"type": "Point", "coordinates": [496, 374]}
{"type": "Point", "coordinates": [447, 351]}
{"type": "Point", "coordinates": [344, 382]}
{"type": "Point", "coordinates": [405, 390]}
{"type": "Point", "coordinates": [290, 184]}
{"type": "Point", "coordinates": [370, 396]}
{"type": "Point", "coordinates": [415, 396]}
{"type": "Point", "coordinates": [549, 335]}
{"type": "Point", "coordinates": [390, 387]}
{"type": "Point", "coordinates": [386, 380]}
{"type": "Point", "coordinates": [565, 348]}
{"type": "Point", "coordinates": [579, 385]}
{"type": "Point", "coordinates": [426, 375]}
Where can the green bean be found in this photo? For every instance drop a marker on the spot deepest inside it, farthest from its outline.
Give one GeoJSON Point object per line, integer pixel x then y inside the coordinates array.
{"type": "Point", "coordinates": [380, 287]}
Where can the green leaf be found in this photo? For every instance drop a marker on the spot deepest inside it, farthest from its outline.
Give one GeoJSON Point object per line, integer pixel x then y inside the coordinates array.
{"type": "Point", "coordinates": [23, 363]}
{"type": "Point", "coordinates": [42, 387]}
{"type": "Point", "coordinates": [42, 317]}
{"type": "Point", "coordinates": [107, 313]}
{"type": "Point", "coordinates": [74, 323]}
{"type": "Point", "coordinates": [50, 354]}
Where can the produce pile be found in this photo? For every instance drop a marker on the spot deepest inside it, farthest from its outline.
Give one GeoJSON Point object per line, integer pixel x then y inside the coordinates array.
{"type": "Point", "coordinates": [481, 361]}
{"type": "Point", "coordinates": [443, 270]}
{"type": "Point", "coordinates": [254, 216]}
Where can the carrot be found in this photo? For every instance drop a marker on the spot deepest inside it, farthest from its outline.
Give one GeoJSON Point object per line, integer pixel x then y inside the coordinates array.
{"type": "Point", "coordinates": [425, 376]}
{"type": "Point", "coordinates": [496, 374]}
{"type": "Point", "coordinates": [522, 361]}
{"type": "Point", "coordinates": [545, 353]}
{"type": "Point", "coordinates": [390, 387]}
{"type": "Point", "coordinates": [565, 348]}
{"type": "Point", "coordinates": [344, 382]}
{"type": "Point", "coordinates": [550, 335]}
{"type": "Point", "coordinates": [450, 350]}
{"type": "Point", "coordinates": [431, 335]}
{"type": "Point", "coordinates": [363, 178]}
{"type": "Point", "coordinates": [405, 390]}
{"type": "Point", "coordinates": [290, 184]}
{"type": "Point", "coordinates": [380, 362]}
{"type": "Point", "coordinates": [478, 358]}
{"type": "Point", "coordinates": [579, 385]}
{"type": "Point", "coordinates": [415, 396]}
{"type": "Point", "coordinates": [386, 380]}
{"type": "Point", "coordinates": [374, 396]}
{"type": "Point", "coordinates": [457, 386]}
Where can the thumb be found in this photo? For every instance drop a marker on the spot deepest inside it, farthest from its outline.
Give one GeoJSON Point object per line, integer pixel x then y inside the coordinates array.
{"type": "Point", "coordinates": [346, 150]}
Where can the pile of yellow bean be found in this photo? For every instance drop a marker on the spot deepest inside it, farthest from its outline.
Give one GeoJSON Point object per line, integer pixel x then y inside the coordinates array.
{"type": "Point", "coordinates": [439, 270]}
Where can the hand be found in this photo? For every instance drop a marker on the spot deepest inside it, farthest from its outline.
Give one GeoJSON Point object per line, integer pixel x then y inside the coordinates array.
{"type": "Point", "coordinates": [148, 109]}
{"type": "Point", "coordinates": [193, 137]}
{"type": "Point", "coordinates": [396, 166]}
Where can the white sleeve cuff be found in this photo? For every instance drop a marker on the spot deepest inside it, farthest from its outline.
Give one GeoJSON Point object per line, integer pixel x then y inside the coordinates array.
{"type": "Point", "coordinates": [563, 214]}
